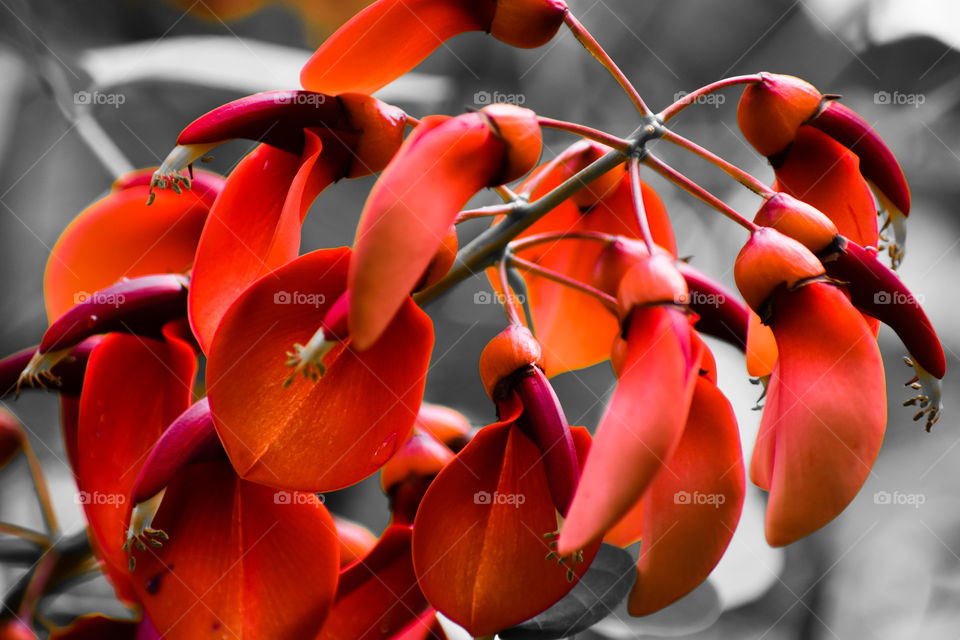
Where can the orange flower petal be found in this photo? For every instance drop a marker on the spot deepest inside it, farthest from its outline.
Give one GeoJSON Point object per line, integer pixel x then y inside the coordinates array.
{"type": "Point", "coordinates": [378, 596]}
{"type": "Point", "coordinates": [253, 228]}
{"type": "Point", "coordinates": [692, 506]}
{"type": "Point", "coordinates": [822, 172]}
{"type": "Point", "coordinates": [239, 562]}
{"type": "Point", "coordinates": [826, 409]}
{"type": "Point", "coordinates": [134, 387]}
{"type": "Point", "coordinates": [494, 491]}
{"type": "Point", "coordinates": [409, 212]}
{"type": "Point", "coordinates": [120, 236]}
{"type": "Point", "coordinates": [641, 427]}
{"type": "Point", "coordinates": [312, 436]}
{"type": "Point", "coordinates": [386, 40]}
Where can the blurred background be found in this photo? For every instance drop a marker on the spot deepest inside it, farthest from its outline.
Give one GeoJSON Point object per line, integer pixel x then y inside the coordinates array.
{"type": "Point", "coordinates": [89, 89]}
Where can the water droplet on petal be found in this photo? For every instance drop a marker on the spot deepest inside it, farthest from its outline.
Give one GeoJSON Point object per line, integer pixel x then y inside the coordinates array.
{"type": "Point", "coordinates": [386, 450]}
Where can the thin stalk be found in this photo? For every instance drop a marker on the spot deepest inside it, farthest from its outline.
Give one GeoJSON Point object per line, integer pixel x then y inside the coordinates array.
{"type": "Point", "coordinates": [25, 534]}
{"type": "Point", "coordinates": [738, 174]}
{"type": "Point", "coordinates": [585, 132]}
{"type": "Point", "coordinates": [542, 238]}
{"type": "Point", "coordinates": [484, 212]}
{"type": "Point", "coordinates": [691, 98]}
{"type": "Point", "coordinates": [512, 316]}
{"type": "Point", "coordinates": [608, 301]}
{"type": "Point", "coordinates": [41, 488]}
{"type": "Point", "coordinates": [639, 208]}
{"type": "Point", "coordinates": [590, 44]}
{"type": "Point", "coordinates": [697, 191]}
{"type": "Point", "coordinates": [506, 193]}
{"type": "Point", "coordinates": [411, 121]}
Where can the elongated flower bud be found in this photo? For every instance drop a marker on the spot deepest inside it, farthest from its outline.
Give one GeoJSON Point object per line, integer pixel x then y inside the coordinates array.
{"type": "Point", "coordinates": [771, 111]}
{"type": "Point", "coordinates": [770, 259]}
{"type": "Point", "coordinates": [798, 220]}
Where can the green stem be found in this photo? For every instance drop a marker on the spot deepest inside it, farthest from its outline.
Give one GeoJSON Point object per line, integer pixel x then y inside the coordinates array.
{"type": "Point", "coordinates": [691, 98]}
{"type": "Point", "coordinates": [738, 174]}
{"type": "Point", "coordinates": [487, 247]}
{"type": "Point", "coordinates": [590, 44]}
{"type": "Point", "coordinates": [586, 132]}
{"type": "Point", "coordinates": [697, 191]}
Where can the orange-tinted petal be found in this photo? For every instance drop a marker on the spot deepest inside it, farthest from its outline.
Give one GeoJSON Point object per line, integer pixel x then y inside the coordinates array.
{"type": "Point", "coordinates": [824, 173]}
{"type": "Point", "coordinates": [641, 427]}
{"type": "Point", "coordinates": [134, 388]}
{"type": "Point", "coordinates": [254, 227]}
{"type": "Point", "coordinates": [312, 436]}
{"type": "Point", "coordinates": [387, 39]}
{"type": "Point", "coordinates": [494, 491]}
{"type": "Point", "coordinates": [120, 236]}
{"type": "Point", "coordinates": [761, 351]}
{"type": "Point", "coordinates": [409, 212]}
{"type": "Point", "coordinates": [240, 562]}
{"type": "Point", "coordinates": [378, 596]}
{"type": "Point", "coordinates": [355, 541]}
{"type": "Point", "coordinates": [826, 409]}
{"type": "Point", "coordinates": [692, 506]}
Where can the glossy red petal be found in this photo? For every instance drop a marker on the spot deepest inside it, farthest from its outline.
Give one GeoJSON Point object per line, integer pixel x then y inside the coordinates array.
{"type": "Point", "coordinates": [134, 388]}
{"type": "Point", "coordinates": [493, 492]}
{"type": "Point", "coordinates": [312, 436]}
{"type": "Point", "coordinates": [120, 236]}
{"type": "Point", "coordinates": [410, 210]}
{"type": "Point", "coordinates": [242, 560]}
{"type": "Point", "coordinates": [641, 426]}
{"type": "Point", "coordinates": [826, 409]}
{"type": "Point", "coordinates": [822, 172]}
{"type": "Point", "coordinates": [387, 39]}
{"type": "Point", "coordinates": [253, 228]}
{"type": "Point", "coordinates": [692, 506]}
{"type": "Point", "coordinates": [378, 596]}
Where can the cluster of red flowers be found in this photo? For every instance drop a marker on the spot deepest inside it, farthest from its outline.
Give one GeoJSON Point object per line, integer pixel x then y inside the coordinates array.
{"type": "Point", "coordinates": [316, 364]}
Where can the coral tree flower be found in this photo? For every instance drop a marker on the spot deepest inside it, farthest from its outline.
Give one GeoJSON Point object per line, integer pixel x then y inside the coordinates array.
{"type": "Point", "coordinates": [310, 140]}
{"type": "Point", "coordinates": [343, 426]}
{"type": "Point", "coordinates": [688, 514]}
{"type": "Point", "coordinates": [825, 412]}
{"type": "Point", "coordinates": [390, 37]}
{"type": "Point", "coordinates": [822, 153]}
{"type": "Point", "coordinates": [120, 237]}
{"type": "Point", "coordinates": [644, 421]}
{"type": "Point", "coordinates": [481, 542]}
{"type": "Point", "coordinates": [411, 208]}
{"type": "Point", "coordinates": [606, 205]}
